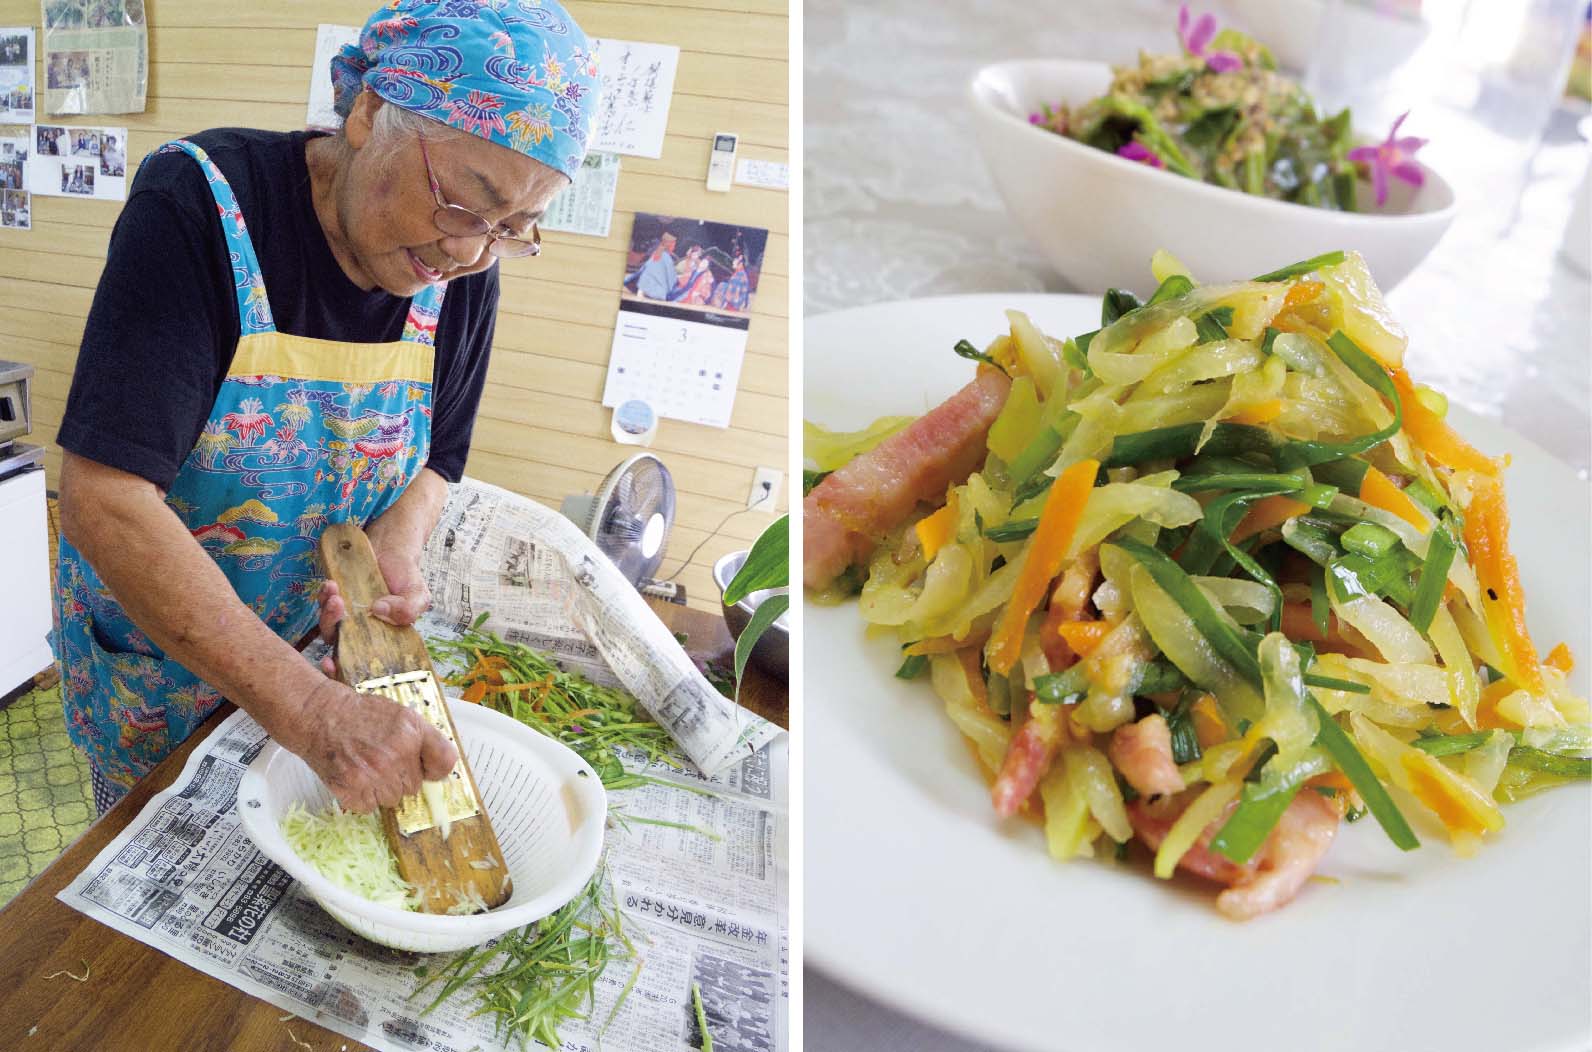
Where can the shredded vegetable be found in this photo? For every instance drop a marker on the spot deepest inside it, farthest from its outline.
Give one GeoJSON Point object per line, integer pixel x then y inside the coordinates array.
{"type": "Point", "coordinates": [1227, 544]}
{"type": "Point", "coordinates": [351, 851]}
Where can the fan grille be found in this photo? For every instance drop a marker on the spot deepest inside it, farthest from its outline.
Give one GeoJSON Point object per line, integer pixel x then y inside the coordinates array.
{"type": "Point", "coordinates": [638, 492]}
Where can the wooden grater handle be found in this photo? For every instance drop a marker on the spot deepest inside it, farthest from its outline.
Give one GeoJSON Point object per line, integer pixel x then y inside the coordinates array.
{"type": "Point", "coordinates": [366, 645]}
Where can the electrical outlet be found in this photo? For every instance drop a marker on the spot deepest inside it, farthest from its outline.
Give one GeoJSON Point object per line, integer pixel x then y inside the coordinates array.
{"type": "Point", "coordinates": [765, 489]}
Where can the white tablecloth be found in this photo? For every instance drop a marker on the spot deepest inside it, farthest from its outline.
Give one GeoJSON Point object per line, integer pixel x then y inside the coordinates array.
{"type": "Point", "coordinates": [898, 205]}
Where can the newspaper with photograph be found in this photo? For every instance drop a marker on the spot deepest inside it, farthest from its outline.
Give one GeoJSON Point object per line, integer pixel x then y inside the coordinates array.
{"type": "Point", "coordinates": [698, 865]}
{"type": "Point", "coordinates": [16, 75]}
{"type": "Point", "coordinates": [96, 56]}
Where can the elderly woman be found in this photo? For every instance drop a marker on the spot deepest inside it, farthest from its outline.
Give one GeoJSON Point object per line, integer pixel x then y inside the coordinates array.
{"type": "Point", "coordinates": [290, 330]}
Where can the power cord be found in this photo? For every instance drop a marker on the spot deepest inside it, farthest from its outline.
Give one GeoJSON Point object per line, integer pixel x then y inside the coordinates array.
{"type": "Point", "coordinates": [767, 490]}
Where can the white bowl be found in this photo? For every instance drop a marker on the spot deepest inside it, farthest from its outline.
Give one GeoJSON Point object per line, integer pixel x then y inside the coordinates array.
{"type": "Point", "coordinates": [1098, 218]}
{"type": "Point", "coordinates": [547, 807]}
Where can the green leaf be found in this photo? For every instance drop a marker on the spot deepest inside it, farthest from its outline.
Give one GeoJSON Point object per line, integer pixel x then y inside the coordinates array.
{"type": "Point", "coordinates": [1551, 762]}
{"type": "Point", "coordinates": [912, 667]}
{"type": "Point", "coordinates": [1116, 303]}
{"type": "Point", "coordinates": [1064, 686]}
{"type": "Point", "coordinates": [1178, 441]}
{"type": "Point", "coordinates": [1174, 286]}
{"type": "Point", "coordinates": [762, 617]}
{"type": "Point", "coordinates": [1434, 575]}
{"type": "Point", "coordinates": [1014, 530]}
{"type": "Point", "coordinates": [1258, 811]}
{"type": "Point", "coordinates": [1176, 583]}
{"type": "Point", "coordinates": [1304, 454]}
{"type": "Point", "coordinates": [1451, 744]}
{"type": "Point", "coordinates": [1211, 127]}
{"type": "Point", "coordinates": [1346, 755]}
{"type": "Point", "coordinates": [767, 564]}
{"type": "Point", "coordinates": [1332, 683]}
{"type": "Point", "coordinates": [1326, 259]}
{"type": "Point", "coordinates": [811, 479]}
{"type": "Point", "coordinates": [1320, 608]}
{"type": "Point", "coordinates": [967, 350]}
{"type": "Point", "coordinates": [1209, 328]}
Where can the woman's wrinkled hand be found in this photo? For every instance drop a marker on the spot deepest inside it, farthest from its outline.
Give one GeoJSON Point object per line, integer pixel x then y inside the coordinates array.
{"type": "Point", "coordinates": [408, 599]}
{"type": "Point", "coordinates": [370, 751]}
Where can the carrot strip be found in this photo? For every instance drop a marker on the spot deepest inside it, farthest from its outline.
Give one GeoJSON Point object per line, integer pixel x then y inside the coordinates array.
{"type": "Point", "coordinates": [1267, 513]}
{"type": "Point", "coordinates": [1083, 636]}
{"type": "Point", "coordinates": [1057, 521]}
{"type": "Point", "coordinates": [1487, 537]}
{"type": "Point", "coordinates": [1439, 441]}
{"type": "Point", "coordinates": [1210, 726]}
{"type": "Point", "coordinates": [1259, 413]}
{"type": "Point", "coordinates": [1332, 780]}
{"type": "Point", "coordinates": [975, 674]}
{"type": "Point", "coordinates": [475, 692]}
{"type": "Point", "coordinates": [1302, 292]}
{"type": "Point", "coordinates": [1377, 490]}
{"type": "Point", "coordinates": [937, 529]}
{"type": "Point", "coordinates": [1561, 658]}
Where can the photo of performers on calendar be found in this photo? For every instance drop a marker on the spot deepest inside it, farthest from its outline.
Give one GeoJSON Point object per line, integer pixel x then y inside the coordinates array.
{"type": "Point", "coordinates": [704, 269]}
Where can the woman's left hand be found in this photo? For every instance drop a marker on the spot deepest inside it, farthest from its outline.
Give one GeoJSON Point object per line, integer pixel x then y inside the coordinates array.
{"type": "Point", "coordinates": [409, 596]}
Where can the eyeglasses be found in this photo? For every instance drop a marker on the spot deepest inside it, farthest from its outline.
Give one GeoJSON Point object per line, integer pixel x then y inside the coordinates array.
{"type": "Point", "coordinates": [459, 221]}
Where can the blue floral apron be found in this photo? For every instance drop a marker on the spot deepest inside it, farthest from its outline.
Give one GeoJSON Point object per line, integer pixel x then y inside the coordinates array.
{"type": "Point", "coordinates": [303, 432]}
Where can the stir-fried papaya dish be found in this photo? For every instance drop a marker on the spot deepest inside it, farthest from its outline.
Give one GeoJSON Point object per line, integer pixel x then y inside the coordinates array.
{"type": "Point", "coordinates": [1214, 577]}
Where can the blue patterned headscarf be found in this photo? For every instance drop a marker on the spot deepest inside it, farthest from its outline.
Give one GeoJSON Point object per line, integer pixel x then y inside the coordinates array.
{"type": "Point", "coordinates": [519, 73]}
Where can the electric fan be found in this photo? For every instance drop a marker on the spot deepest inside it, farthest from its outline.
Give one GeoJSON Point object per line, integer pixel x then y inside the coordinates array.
{"type": "Point", "coordinates": [629, 516]}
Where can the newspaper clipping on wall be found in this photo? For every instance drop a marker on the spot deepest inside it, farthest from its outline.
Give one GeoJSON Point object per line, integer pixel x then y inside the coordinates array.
{"type": "Point", "coordinates": [96, 56]}
{"type": "Point", "coordinates": [16, 75]}
{"type": "Point", "coordinates": [701, 879]}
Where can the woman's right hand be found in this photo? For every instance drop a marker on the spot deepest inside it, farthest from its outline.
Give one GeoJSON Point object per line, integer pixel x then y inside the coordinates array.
{"type": "Point", "coordinates": [370, 751]}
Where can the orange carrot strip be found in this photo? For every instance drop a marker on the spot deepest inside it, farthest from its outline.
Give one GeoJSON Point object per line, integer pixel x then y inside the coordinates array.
{"type": "Point", "coordinates": [1057, 521]}
{"type": "Point", "coordinates": [1487, 537]}
{"type": "Point", "coordinates": [475, 692]}
{"type": "Point", "coordinates": [1561, 658]}
{"type": "Point", "coordinates": [1377, 490]}
{"type": "Point", "coordinates": [1083, 636]}
{"type": "Point", "coordinates": [935, 531]}
{"type": "Point", "coordinates": [1259, 413]}
{"type": "Point", "coordinates": [1210, 726]}
{"type": "Point", "coordinates": [1332, 780]}
{"type": "Point", "coordinates": [1267, 513]}
{"type": "Point", "coordinates": [974, 673]}
{"type": "Point", "coordinates": [1302, 292]}
{"type": "Point", "coordinates": [1439, 441]}
{"type": "Point", "coordinates": [1487, 717]}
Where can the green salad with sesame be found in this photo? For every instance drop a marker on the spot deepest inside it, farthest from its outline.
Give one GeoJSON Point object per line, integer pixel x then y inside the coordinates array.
{"type": "Point", "coordinates": [1220, 112]}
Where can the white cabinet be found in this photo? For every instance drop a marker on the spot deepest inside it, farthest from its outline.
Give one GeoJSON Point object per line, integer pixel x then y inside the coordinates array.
{"type": "Point", "coordinates": [24, 580]}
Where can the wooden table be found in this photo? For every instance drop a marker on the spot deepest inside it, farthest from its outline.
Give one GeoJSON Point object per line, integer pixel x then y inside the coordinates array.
{"type": "Point", "coordinates": [136, 998]}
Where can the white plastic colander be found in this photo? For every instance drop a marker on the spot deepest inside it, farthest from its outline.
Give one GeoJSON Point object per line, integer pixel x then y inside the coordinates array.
{"type": "Point", "coordinates": [547, 807]}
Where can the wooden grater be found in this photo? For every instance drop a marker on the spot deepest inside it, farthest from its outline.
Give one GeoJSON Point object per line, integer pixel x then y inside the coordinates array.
{"type": "Point", "coordinates": [374, 657]}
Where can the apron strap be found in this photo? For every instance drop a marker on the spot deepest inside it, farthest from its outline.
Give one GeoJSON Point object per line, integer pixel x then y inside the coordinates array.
{"type": "Point", "coordinates": [424, 310]}
{"type": "Point", "coordinates": [254, 310]}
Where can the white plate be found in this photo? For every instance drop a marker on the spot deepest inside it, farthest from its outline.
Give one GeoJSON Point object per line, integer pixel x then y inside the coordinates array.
{"type": "Point", "coordinates": [916, 895]}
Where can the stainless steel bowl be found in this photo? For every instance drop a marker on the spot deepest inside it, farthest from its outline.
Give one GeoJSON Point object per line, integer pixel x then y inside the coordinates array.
{"type": "Point", "coordinates": [772, 652]}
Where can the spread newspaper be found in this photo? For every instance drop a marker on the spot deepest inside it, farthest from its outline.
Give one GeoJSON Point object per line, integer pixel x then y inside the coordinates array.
{"type": "Point", "coordinates": [702, 885]}
{"type": "Point", "coordinates": [96, 56]}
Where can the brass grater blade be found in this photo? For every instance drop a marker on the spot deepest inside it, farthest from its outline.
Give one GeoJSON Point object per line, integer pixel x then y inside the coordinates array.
{"type": "Point", "coordinates": [420, 692]}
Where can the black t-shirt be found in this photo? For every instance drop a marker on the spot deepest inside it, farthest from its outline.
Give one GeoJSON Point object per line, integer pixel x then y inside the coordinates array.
{"type": "Point", "coordinates": [164, 325]}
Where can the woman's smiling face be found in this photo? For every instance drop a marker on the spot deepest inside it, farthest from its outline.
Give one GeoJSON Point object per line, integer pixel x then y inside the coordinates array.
{"type": "Point", "coordinates": [385, 207]}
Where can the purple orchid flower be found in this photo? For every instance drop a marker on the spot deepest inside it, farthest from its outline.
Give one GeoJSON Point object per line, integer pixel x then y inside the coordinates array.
{"type": "Point", "coordinates": [1135, 150]}
{"type": "Point", "coordinates": [1197, 37]}
{"type": "Point", "coordinates": [1392, 156]}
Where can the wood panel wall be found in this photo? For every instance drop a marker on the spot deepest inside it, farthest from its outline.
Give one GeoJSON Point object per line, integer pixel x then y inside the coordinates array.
{"type": "Point", "coordinates": [542, 430]}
